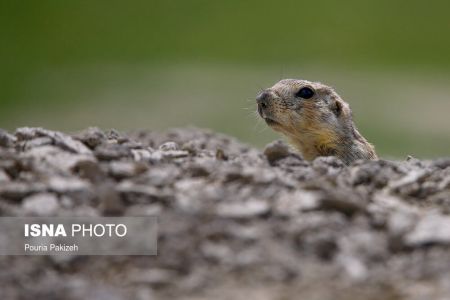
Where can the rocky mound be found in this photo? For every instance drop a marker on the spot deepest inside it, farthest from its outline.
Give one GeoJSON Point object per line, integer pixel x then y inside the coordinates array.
{"type": "Point", "coordinates": [234, 222]}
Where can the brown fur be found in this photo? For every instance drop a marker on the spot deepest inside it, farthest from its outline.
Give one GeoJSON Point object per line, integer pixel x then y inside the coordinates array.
{"type": "Point", "coordinates": [319, 126]}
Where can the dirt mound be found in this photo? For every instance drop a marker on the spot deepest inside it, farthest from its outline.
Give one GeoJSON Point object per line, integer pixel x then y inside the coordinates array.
{"type": "Point", "coordinates": [234, 222]}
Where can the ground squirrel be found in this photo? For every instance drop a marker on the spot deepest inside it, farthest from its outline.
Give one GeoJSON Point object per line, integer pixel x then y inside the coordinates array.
{"type": "Point", "coordinates": [314, 119]}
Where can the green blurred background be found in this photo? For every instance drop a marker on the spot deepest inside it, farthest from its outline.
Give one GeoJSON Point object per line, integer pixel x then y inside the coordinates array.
{"type": "Point", "coordinates": [157, 64]}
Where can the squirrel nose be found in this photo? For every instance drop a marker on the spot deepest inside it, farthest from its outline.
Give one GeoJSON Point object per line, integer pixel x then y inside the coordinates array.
{"type": "Point", "coordinates": [263, 99]}
{"type": "Point", "coordinates": [263, 103]}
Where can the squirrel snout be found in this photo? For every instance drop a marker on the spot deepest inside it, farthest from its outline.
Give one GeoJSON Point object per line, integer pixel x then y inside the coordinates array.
{"type": "Point", "coordinates": [263, 98]}
{"type": "Point", "coordinates": [263, 102]}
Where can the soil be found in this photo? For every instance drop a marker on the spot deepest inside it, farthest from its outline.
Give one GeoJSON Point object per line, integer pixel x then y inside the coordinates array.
{"type": "Point", "coordinates": [235, 222]}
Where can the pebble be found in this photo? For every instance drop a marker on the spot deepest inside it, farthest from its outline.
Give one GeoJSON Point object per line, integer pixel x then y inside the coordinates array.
{"type": "Point", "coordinates": [141, 154]}
{"type": "Point", "coordinates": [3, 176]}
{"type": "Point", "coordinates": [169, 146]}
{"type": "Point", "coordinates": [123, 169]}
{"type": "Point", "coordinates": [42, 204]}
{"type": "Point", "coordinates": [66, 185]}
{"type": "Point", "coordinates": [431, 229]}
{"type": "Point", "coordinates": [92, 137]}
{"type": "Point", "coordinates": [111, 151]}
{"type": "Point", "coordinates": [18, 190]}
{"type": "Point", "coordinates": [55, 158]}
{"type": "Point", "coordinates": [276, 151]}
{"type": "Point", "coordinates": [111, 203]}
{"type": "Point", "coordinates": [6, 139]}
{"type": "Point", "coordinates": [154, 276]}
{"type": "Point", "coordinates": [247, 209]}
{"type": "Point", "coordinates": [59, 139]}
{"type": "Point", "coordinates": [292, 203]}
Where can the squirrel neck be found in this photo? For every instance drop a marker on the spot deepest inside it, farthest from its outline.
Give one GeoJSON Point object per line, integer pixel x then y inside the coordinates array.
{"type": "Point", "coordinates": [348, 146]}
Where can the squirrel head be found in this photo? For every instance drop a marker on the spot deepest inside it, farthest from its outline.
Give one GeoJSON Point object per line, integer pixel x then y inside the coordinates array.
{"type": "Point", "coordinates": [310, 114]}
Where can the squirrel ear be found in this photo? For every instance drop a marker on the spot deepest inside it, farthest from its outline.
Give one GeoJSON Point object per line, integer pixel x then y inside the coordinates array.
{"type": "Point", "coordinates": [337, 108]}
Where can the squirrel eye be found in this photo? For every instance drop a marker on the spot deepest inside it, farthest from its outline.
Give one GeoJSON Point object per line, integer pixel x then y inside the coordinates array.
{"type": "Point", "coordinates": [305, 93]}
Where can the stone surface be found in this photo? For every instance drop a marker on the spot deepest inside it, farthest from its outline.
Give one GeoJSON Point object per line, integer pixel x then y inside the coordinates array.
{"type": "Point", "coordinates": [248, 209]}
{"type": "Point", "coordinates": [234, 222]}
{"type": "Point", "coordinates": [276, 151]}
{"type": "Point", "coordinates": [43, 204]}
{"type": "Point", "coordinates": [6, 139]}
{"type": "Point", "coordinates": [431, 229]}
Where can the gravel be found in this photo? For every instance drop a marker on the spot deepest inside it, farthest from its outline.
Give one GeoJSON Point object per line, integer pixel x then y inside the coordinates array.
{"type": "Point", "coordinates": [235, 222]}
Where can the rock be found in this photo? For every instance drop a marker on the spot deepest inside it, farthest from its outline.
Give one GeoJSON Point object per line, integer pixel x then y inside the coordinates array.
{"type": "Point", "coordinates": [123, 169]}
{"type": "Point", "coordinates": [442, 163]}
{"type": "Point", "coordinates": [169, 146]}
{"type": "Point", "coordinates": [26, 133]}
{"type": "Point", "coordinates": [276, 151]}
{"type": "Point", "coordinates": [3, 176]}
{"type": "Point", "coordinates": [169, 154]}
{"type": "Point", "coordinates": [431, 229]}
{"type": "Point", "coordinates": [36, 142]}
{"type": "Point", "coordinates": [220, 155]}
{"type": "Point", "coordinates": [411, 159]}
{"type": "Point", "coordinates": [132, 145]}
{"type": "Point", "coordinates": [59, 139]}
{"type": "Point", "coordinates": [60, 184]}
{"type": "Point", "coordinates": [42, 204]}
{"type": "Point", "coordinates": [193, 146]}
{"type": "Point", "coordinates": [193, 195]}
{"type": "Point", "coordinates": [401, 222]}
{"type": "Point", "coordinates": [140, 193]}
{"type": "Point", "coordinates": [200, 169]}
{"type": "Point", "coordinates": [111, 151]}
{"type": "Point", "coordinates": [143, 293]}
{"type": "Point", "coordinates": [79, 289]}
{"type": "Point", "coordinates": [219, 252]}
{"type": "Point", "coordinates": [6, 139]}
{"type": "Point", "coordinates": [328, 165]}
{"type": "Point", "coordinates": [90, 170]}
{"type": "Point", "coordinates": [292, 203]}
{"type": "Point", "coordinates": [19, 190]}
{"type": "Point", "coordinates": [162, 175]}
{"type": "Point", "coordinates": [248, 209]}
{"type": "Point", "coordinates": [144, 210]}
{"type": "Point", "coordinates": [345, 206]}
{"type": "Point", "coordinates": [115, 135]}
{"type": "Point", "coordinates": [66, 202]}
{"type": "Point", "coordinates": [354, 268]}
{"type": "Point", "coordinates": [141, 154]}
{"type": "Point", "coordinates": [92, 137]}
{"type": "Point", "coordinates": [111, 203]}
{"type": "Point", "coordinates": [56, 159]}
{"type": "Point", "coordinates": [153, 276]}
{"type": "Point", "coordinates": [411, 178]}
